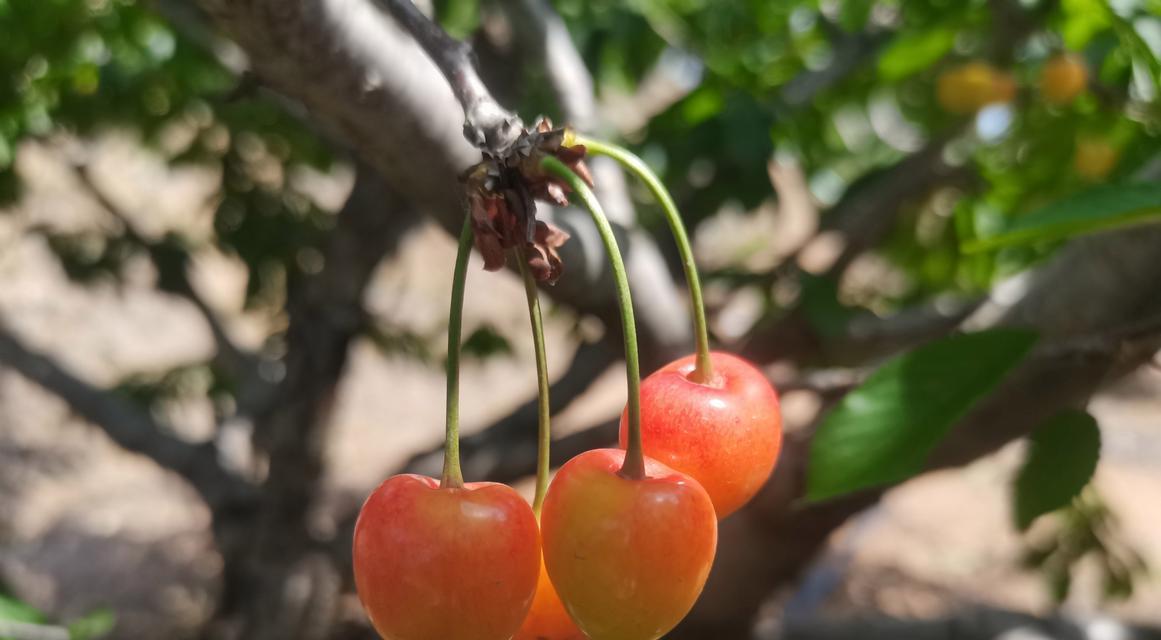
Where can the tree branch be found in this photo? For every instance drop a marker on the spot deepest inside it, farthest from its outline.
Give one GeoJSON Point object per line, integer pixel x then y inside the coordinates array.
{"type": "Point", "coordinates": [1086, 347]}
{"type": "Point", "coordinates": [229, 355]}
{"type": "Point", "coordinates": [982, 624]}
{"type": "Point", "coordinates": [363, 78]}
{"type": "Point", "coordinates": [487, 125]}
{"type": "Point", "coordinates": [506, 447]}
{"type": "Point", "coordinates": [128, 426]}
{"type": "Point", "coordinates": [546, 42]}
{"type": "Point", "coordinates": [325, 315]}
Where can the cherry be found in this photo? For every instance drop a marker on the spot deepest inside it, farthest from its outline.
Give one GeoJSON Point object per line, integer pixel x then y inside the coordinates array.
{"type": "Point", "coordinates": [1063, 78]}
{"type": "Point", "coordinates": [725, 432]}
{"type": "Point", "coordinates": [1094, 159]}
{"type": "Point", "coordinates": [548, 619]}
{"type": "Point", "coordinates": [448, 563]}
{"type": "Point", "coordinates": [972, 86]}
{"type": "Point", "coordinates": [628, 556]}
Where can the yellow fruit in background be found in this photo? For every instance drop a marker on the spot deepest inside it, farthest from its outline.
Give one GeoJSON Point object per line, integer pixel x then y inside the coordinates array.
{"type": "Point", "coordinates": [1003, 87]}
{"type": "Point", "coordinates": [1094, 158]}
{"type": "Point", "coordinates": [1063, 78]}
{"type": "Point", "coordinates": [970, 87]}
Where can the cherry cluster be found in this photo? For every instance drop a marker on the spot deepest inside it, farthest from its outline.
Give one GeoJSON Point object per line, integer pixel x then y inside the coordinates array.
{"type": "Point", "coordinates": [621, 542]}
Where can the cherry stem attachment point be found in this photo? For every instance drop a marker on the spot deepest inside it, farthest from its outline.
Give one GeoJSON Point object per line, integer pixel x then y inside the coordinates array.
{"type": "Point", "coordinates": [543, 410]}
{"type": "Point", "coordinates": [703, 371]}
{"type": "Point", "coordinates": [453, 477]}
{"type": "Point", "coordinates": [634, 466]}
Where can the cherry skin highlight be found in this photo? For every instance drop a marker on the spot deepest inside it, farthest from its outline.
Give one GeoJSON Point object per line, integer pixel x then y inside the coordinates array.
{"type": "Point", "coordinates": [726, 432]}
{"type": "Point", "coordinates": [628, 556]}
{"type": "Point", "coordinates": [454, 564]}
{"type": "Point", "coordinates": [548, 619]}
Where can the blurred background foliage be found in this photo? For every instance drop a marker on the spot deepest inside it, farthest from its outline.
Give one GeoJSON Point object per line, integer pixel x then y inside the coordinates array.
{"type": "Point", "coordinates": [845, 89]}
{"type": "Point", "coordinates": [708, 92]}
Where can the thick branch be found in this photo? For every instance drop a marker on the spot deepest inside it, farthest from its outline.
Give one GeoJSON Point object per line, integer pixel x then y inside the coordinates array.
{"type": "Point", "coordinates": [363, 78]}
{"type": "Point", "coordinates": [127, 425]}
{"type": "Point", "coordinates": [546, 43]}
{"type": "Point", "coordinates": [487, 125]}
{"type": "Point", "coordinates": [325, 316]}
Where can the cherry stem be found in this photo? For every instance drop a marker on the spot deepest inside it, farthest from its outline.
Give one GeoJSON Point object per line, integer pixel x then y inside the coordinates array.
{"type": "Point", "coordinates": [453, 477]}
{"type": "Point", "coordinates": [703, 371]}
{"type": "Point", "coordinates": [634, 466]}
{"type": "Point", "coordinates": [544, 435]}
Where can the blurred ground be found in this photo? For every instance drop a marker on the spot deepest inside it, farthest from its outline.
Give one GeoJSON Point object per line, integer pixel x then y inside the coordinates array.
{"type": "Point", "coordinates": [86, 525]}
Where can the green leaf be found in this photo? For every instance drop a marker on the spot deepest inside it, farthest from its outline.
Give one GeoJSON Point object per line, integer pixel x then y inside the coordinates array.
{"type": "Point", "coordinates": [1062, 456]}
{"type": "Point", "coordinates": [94, 625]}
{"type": "Point", "coordinates": [1098, 209]}
{"type": "Point", "coordinates": [914, 52]}
{"type": "Point", "coordinates": [16, 611]}
{"type": "Point", "coordinates": [485, 342]}
{"type": "Point", "coordinates": [883, 431]}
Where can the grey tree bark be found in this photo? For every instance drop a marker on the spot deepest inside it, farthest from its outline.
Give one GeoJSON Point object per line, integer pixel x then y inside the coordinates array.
{"type": "Point", "coordinates": [363, 77]}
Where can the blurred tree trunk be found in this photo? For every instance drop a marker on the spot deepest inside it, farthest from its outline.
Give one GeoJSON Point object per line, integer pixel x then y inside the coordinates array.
{"type": "Point", "coordinates": [279, 583]}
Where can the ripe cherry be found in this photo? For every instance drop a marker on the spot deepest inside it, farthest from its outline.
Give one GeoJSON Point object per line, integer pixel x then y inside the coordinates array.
{"type": "Point", "coordinates": [447, 563]}
{"type": "Point", "coordinates": [1063, 78]}
{"type": "Point", "coordinates": [725, 432]}
{"type": "Point", "coordinates": [1094, 159]}
{"type": "Point", "coordinates": [972, 86]}
{"type": "Point", "coordinates": [628, 556]}
{"type": "Point", "coordinates": [967, 88]}
{"type": "Point", "coordinates": [548, 619]}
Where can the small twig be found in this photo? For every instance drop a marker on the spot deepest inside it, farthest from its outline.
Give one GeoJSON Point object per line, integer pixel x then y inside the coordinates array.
{"type": "Point", "coordinates": [487, 125]}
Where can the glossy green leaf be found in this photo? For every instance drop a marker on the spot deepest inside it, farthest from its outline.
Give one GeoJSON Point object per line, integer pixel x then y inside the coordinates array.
{"type": "Point", "coordinates": [484, 343]}
{"type": "Point", "coordinates": [1062, 456]}
{"type": "Point", "coordinates": [883, 431]}
{"type": "Point", "coordinates": [1098, 209]}
{"type": "Point", "coordinates": [915, 52]}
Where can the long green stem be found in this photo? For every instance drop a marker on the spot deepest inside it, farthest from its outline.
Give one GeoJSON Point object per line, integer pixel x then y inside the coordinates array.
{"type": "Point", "coordinates": [703, 372]}
{"type": "Point", "coordinates": [634, 466]}
{"type": "Point", "coordinates": [544, 435]}
{"type": "Point", "coordinates": [453, 477]}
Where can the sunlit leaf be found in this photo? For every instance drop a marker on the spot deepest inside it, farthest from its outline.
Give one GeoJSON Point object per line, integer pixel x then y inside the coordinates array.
{"type": "Point", "coordinates": [883, 431]}
{"type": "Point", "coordinates": [913, 52]}
{"type": "Point", "coordinates": [1097, 209]}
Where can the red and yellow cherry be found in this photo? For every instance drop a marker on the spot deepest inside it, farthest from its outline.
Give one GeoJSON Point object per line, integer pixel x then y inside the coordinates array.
{"type": "Point", "coordinates": [548, 619]}
{"type": "Point", "coordinates": [628, 556]}
{"type": "Point", "coordinates": [967, 88]}
{"type": "Point", "coordinates": [1063, 78]}
{"type": "Point", "coordinates": [1094, 159]}
{"type": "Point", "coordinates": [446, 563]}
{"type": "Point", "coordinates": [725, 432]}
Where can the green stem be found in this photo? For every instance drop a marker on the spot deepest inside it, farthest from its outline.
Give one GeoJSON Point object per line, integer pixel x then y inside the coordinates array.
{"type": "Point", "coordinates": [703, 372]}
{"type": "Point", "coordinates": [634, 466]}
{"type": "Point", "coordinates": [544, 435]}
{"type": "Point", "coordinates": [453, 477]}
